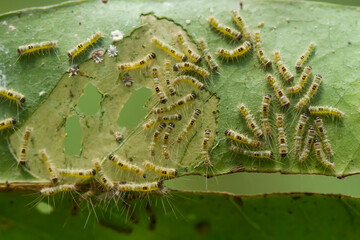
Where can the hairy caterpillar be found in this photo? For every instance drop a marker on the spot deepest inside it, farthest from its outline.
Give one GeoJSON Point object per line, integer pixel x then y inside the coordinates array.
{"type": "Point", "coordinates": [308, 144]}
{"type": "Point", "coordinates": [325, 110]}
{"type": "Point", "coordinates": [167, 172]}
{"type": "Point", "coordinates": [50, 191]}
{"type": "Point", "coordinates": [165, 148]}
{"type": "Point", "coordinates": [12, 95]}
{"type": "Point", "coordinates": [156, 135]}
{"type": "Point", "coordinates": [240, 22]}
{"type": "Point", "coordinates": [265, 114]}
{"type": "Point", "coordinates": [320, 155]}
{"type": "Point", "coordinates": [188, 51]}
{"type": "Point", "coordinates": [282, 139]}
{"type": "Point", "coordinates": [284, 101]}
{"type": "Point", "coordinates": [302, 59]}
{"type": "Point", "coordinates": [323, 136]}
{"type": "Point", "coordinates": [50, 166]}
{"type": "Point", "coordinates": [302, 81]}
{"type": "Point", "coordinates": [152, 122]}
{"type": "Point", "coordinates": [169, 85]}
{"type": "Point", "coordinates": [37, 47]}
{"type": "Point", "coordinates": [190, 125]}
{"type": "Point", "coordinates": [227, 31]}
{"type": "Point", "coordinates": [234, 53]}
{"type": "Point", "coordinates": [206, 52]}
{"type": "Point", "coordinates": [84, 173]}
{"type": "Point", "coordinates": [179, 103]}
{"type": "Point", "coordinates": [139, 187]}
{"type": "Point", "coordinates": [24, 147]}
{"type": "Point", "coordinates": [241, 138]}
{"type": "Point", "coordinates": [299, 131]}
{"type": "Point", "coordinates": [104, 180]}
{"type": "Point", "coordinates": [84, 45]}
{"type": "Point", "coordinates": [255, 154]}
{"type": "Point", "coordinates": [250, 120]}
{"type": "Point", "coordinates": [284, 71]}
{"type": "Point", "coordinates": [187, 66]}
{"type": "Point", "coordinates": [310, 93]}
{"type": "Point", "coordinates": [137, 64]}
{"type": "Point", "coordinates": [260, 50]}
{"type": "Point", "coordinates": [157, 88]}
{"type": "Point", "coordinates": [125, 165]}
{"type": "Point", "coordinates": [170, 50]}
{"type": "Point", "coordinates": [193, 81]}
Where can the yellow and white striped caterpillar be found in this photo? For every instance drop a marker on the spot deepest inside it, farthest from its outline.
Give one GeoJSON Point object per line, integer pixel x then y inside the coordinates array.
{"type": "Point", "coordinates": [323, 136]}
{"type": "Point", "coordinates": [157, 88]}
{"type": "Point", "coordinates": [234, 53]}
{"type": "Point", "coordinates": [190, 125]}
{"type": "Point", "coordinates": [6, 123]}
{"type": "Point", "coordinates": [104, 180]}
{"type": "Point", "coordinates": [125, 165]}
{"type": "Point", "coordinates": [206, 52]}
{"type": "Point", "coordinates": [137, 64]}
{"type": "Point", "coordinates": [241, 138]}
{"type": "Point", "coordinates": [169, 85]}
{"type": "Point", "coordinates": [282, 139]}
{"type": "Point", "coordinates": [302, 59]}
{"type": "Point", "coordinates": [37, 47]}
{"type": "Point", "coordinates": [240, 22]}
{"type": "Point", "coordinates": [84, 45]}
{"type": "Point", "coordinates": [153, 121]}
{"type": "Point", "coordinates": [310, 93]}
{"type": "Point", "coordinates": [50, 166]}
{"type": "Point", "coordinates": [12, 95]}
{"type": "Point", "coordinates": [24, 147]}
{"type": "Point", "coordinates": [307, 144]}
{"type": "Point", "coordinates": [321, 157]}
{"type": "Point", "coordinates": [284, 71]}
{"type": "Point", "coordinates": [265, 114]}
{"type": "Point", "coordinates": [302, 81]}
{"type": "Point", "coordinates": [227, 31]}
{"type": "Point", "coordinates": [170, 50]}
{"type": "Point", "coordinates": [186, 48]}
{"type": "Point", "coordinates": [299, 131]}
{"type": "Point", "coordinates": [139, 187]}
{"type": "Point", "coordinates": [167, 172]}
{"type": "Point", "coordinates": [187, 66]}
{"type": "Point", "coordinates": [283, 99]}
{"type": "Point", "coordinates": [325, 110]}
{"type": "Point", "coordinates": [165, 147]}
{"type": "Point", "coordinates": [50, 191]}
{"type": "Point", "coordinates": [83, 173]}
{"type": "Point", "coordinates": [255, 154]}
{"type": "Point", "coordinates": [260, 50]}
{"type": "Point", "coordinates": [205, 157]}
{"type": "Point", "coordinates": [156, 135]}
{"type": "Point", "coordinates": [179, 103]}
{"type": "Point", "coordinates": [193, 81]}
{"type": "Point", "coordinates": [250, 120]}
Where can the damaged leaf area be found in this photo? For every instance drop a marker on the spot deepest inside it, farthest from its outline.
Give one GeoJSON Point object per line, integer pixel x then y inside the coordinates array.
{"type": "Point", "coordinates": [238, 81]}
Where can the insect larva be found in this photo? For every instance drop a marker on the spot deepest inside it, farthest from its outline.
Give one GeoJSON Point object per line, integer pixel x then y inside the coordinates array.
{"type": "Point", "coordinates": [87, 195]}
{"type": "Point", "coordinates": [23, 155]}
{"type": "Point", "coordinates": [156, 135]}
{"type": "Point", "coordinates": [84, 173]}
{"type": "Point", "coordinates": [307, 144]}
{"type": "Point", "coordinates": [170, 50]}
{"type": "Point", "coordinates": [206, 52]}
{"type": "Point", "coordinates": [250, 120]}
{"type": "Point", "coordinates": [284, 71]}
{"type": "Point", "coordinates": [241, 138]}
{"type": "Point", "coordinates": [299, 131]}
{"type": "Point", "coordinates": [188, 51]}
{"type": "Point", "coordinates": [240, 22]}
{"type": "Point", "coordinates": [37, 47]}
{"type": "Point", "coordinates": [179, 103]}
{"type": "Point", "coordinates": [187, 66]}
{"type": "Point", "coordinates": [302, 59]}
{"type": "Point", "coordinates": [84, 45]}
{"type": "Point", "coordinates": [320, 155]}
{"type": "Point", "coordinates": [260, 50]}
{"type": "Point", "coordinates": [49, 191]}
{"type": "Point", "coordinates": [282, 140]}
{"type": "Point", "coordinates": [139, 187]}
{"type": "Point", "coordinates": [234, 53]}
{"type": "Point", "coordinates": [137, 64]}
{"type": "Point", "coordinates": [193, 81]}
{"type": "Point", "coordinates": [50, 166]}
{"type": "Point", "coordinates": [157, 88]}
{"type": "Point", "coordinates": [323, 136]}
{"type": "Point", "coordinates": [265, 114]}
{"type": "Point", "coordinates": [205, 148]}
{"type": "Point", "coordinates": [169, 85]}
{"type": "Point", "coordinates": [284, 101]}
{"type": "Point", "coordinates": [227, 31]}
{"type": "Point", "coordinates": [325, 110]}
{"type": "Point", "coordinates": [167, 172]}
{"type": "Point", "coordinates": [165, 147]}
{"type": "Point", "coordinates": [255, 154]}
{"type": "Point", "coordinates": [12, 95]}
{"type": "Point", "coordinates": [125, 165]}
{"type": "Point", "coordinates": [104, 180]}
{"type": "Point", "coordinates": [152, 122]}
{"type": "Point", "coordinates": [302, 81]}
{"type": "Point", "coordinates": [310, 93]}
{"type": "Point", "coordinates": [190, 125]}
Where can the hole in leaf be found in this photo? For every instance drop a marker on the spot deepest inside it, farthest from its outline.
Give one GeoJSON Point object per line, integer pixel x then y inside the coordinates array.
{"type": "Point", "coordinates": [74, 135]}
{"type": "Point", "coordinates": [89, 103]}
{"type": "Point", "coordinates": [134, 111]}
{"type": "Point", "coordinates": [44, 208]}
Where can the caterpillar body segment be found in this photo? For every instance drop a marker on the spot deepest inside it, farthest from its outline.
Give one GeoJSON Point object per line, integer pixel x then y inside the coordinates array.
{"type": "Point", "coordinates": [255, 154]}
{"type": "Point", "coordinates": [163, 171]}
{"type": "Point", "coordinates": [310, 93]}
{"type": "Point", "coordinates": [299, 132]}
{"type": "Point", "coordinates": [279, 92]}
{"type": "Point", "coordinates": [307, 144]}
{"type": "Point", "coordinates": [250, 120]}
{"type": "Point", "coordinates": [193, 56]}
{"type": "Point", "coordinates": [241, 138]}
{"type": "Point", "coordinates": [321, 157]}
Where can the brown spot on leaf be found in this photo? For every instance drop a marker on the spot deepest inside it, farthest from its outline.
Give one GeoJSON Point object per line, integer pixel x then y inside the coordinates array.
{"type": "Point", "coordinates": [296, 197]}
{"type": "Point", "coordinates": [202, 228]}
{"type": "Point", "coordinates": [239, 201]}
{"type": "Point", "coordinates": [152, 217]}
{"type": "Point", "coordinates": [237, 168]}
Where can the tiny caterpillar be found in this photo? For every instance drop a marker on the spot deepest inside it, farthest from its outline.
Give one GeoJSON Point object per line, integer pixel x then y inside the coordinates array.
{"type": "Point", "coordinates": [12, 95]}
{"type": "Point", "coordinates": [265, 114]}
{"type": "Point", "coordinates": [310, 93]}
{"type": "Point", "coordinates": [49, 191]}
{"type": "Point", "coordinates": [284, 101]}
{"type": "Point", "coordinates": [167, 172]}
{"type": "Point", "coordinates": [282, 140]}
{"type": "Point", "coordinates": [84, 45]}
{"type": "Point", "coordinates": [169, 85]}
{"type": "Point", "coordinates": [323, 136]}
{"type": "Point", "coordinates": [125, 165]}
{"type": "Point", "coordinates": [320, 155]}
{"type": "Point", "coordinates": [308, 143]}
{"type": "Point", "coordinates": [157, 88]}
{"type": "Point", "coordinates": [302, 81]}
{"type": "Point", "coordinates": [137, 64]}
{"type": "Point", "coordinates": [84, 173]}
{"type": "Point", "coordinates": [104, 180]}
{"type": "Point", "coordinates": [139, 187]}
{"type": "Point", "coordinates": [165, 148]}
{"type": "Point", "coordinates": [299, 131]}
{"type": "Point", "coordinates": [241, 138]}
{"type": "Point", "coordinates": [179, 103]}
{"type": "Point", "coordinates": [186, 48]}
{"type": "Point", "coordinates": [193, 81]}
{"type": "Point", "coordinates": [227, 31]}
{"type": "Point", "coordinates": [302, 59]}
{"type": "Point", "coordinates": [260, 50]}
{"type": "Point", "coordinates": [156, 135]}
{"type": "Point", "coordinates": [234, 53]}
{"type": "Point", "coordinates": [206, 52]}
{"type": "Point", "coordinates": [37, 47]}
{"type": "Point", "coordinates": [153, 121]}
{"type": "Point", "coordinates": [240, 22]}
{"type": "Point", "coordinates": [325, 110]}
{"type": "Point", "coordinates": [255, 154]}
{"type": "Point", "coordinates": [187, 66]}
{"type": "Point", "coordinates": [170, 50]}
{"type": "Point", "coordinates": [205, 158]}
{"type": "Point", "coordinates": [284, 71]}
{"type": "Point", "coordinates": [50, 166]}
{"type": "Point", "coordinates": [250, 120]}
{"type": "Point", "coordinates": [23, 155]}
{"type": "Point", "coordinates": [190, 125]}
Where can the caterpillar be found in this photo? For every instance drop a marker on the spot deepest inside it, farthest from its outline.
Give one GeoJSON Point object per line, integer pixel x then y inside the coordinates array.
{"type": "Point", "coordinates": [190, 125]}
{"type": "Point", "coordinates": [125, 165]}
{"type": "Point", "coordinates": [179, 103]}
{"type": "Point", "coordinates": [265, 114]}
{"type": "Point", "coordinates": [227, 31]}
{"type": "Point", "coordinates": [282, 139]}
{"type": "Point", "coordinates": [169, 85]}
{"type": "Point", "coordinates": [255, 154]}
{"type": "Point", "coordinates": [167, 172]}
{"type": "Point", "coordinates": [234, 53]}
{"type": "Point", "coordinates": [170, 50]}
{"type": "Point", "coordinates": [165, 148]}
{"type": "Point", "coordinates": [284, 71]}
{"type": "Point", "coordinates": [299, 131]}
{"type": "Point", "coordinates": [157, 88]}
{"type": "Point", "coordinates": [302, 81]}
{"type": "Point", "coordinates": [320, 155]}
{"type": "Point", "coordinates": [137, 64]}
{"type": "Point", "coordinates": [188, 51]}
{"type": "Point", "coordinates": [325, 110]}
{"type": "Point", "coordinates": [206, 52]}
{"type": "Point", "coordinates": [153, 121]}
{"type": "Point", "coordinates": [310, 93]}
{"type": "Point", "coordinates": [205, 158]}
{"type": "Point", "coordinates": [241, 138]}
{"type": "Point", "coordinates": [6, 123]}
{"type": "Point", "coordinates": [308, 144]}
{"type": "Point", "coordinates": [302, 59]}
{"type": "Point", "coordinates": [240, 22]}
{"type": "Point", "coordinates": [23, 155]}
{"type": "Point", "coordinates": [187, 66]}
{"type": "Point", "coordinates": [50, 191]}
{"type": "Point", "coordinates": [50, 166]}
{"type": "Point", "coordinates": [260, 50]}
{"type": "Point", "coordinates": [283, 99]}
{"type": "Point", "coordinates": [12, 95]}
{"type": "Point", "coordinates": [250, 120]}
{"type": "Point", "coordinates": [139, 187]}
{"type": "Point", "coordinates": [156, 135]}
{"type": "Point", "coordinates": [37, 47]}
{"type": "Point", "coordinates": [84, 45]}
{"type": "Point", "coordinates": [87, 173]}
{"type": "Point", "coordinates": [104, 180]}
{"type": "Point", "coordinates": [323, 136]}
{"type": "Point", "coordinates": [193, 81]}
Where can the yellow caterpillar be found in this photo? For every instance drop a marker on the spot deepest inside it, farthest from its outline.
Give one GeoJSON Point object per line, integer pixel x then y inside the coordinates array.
{"type": "Point", "coordinates": [325, 110]}
{"type": "Point", "coordinates": [50, 191]}
{"type": "Point", "coordinates": [283, 99]}
{"type": "Point", "coordinates": [255, 154]}
{"type": "Point", "coordinates": [137, 64]}
{"type": "Point", "coordinates": [83, 173]}
{"type": "Point", "coordinates": [302, 81]}
{"type": "Point", "coordinates": [84, 45]}
{"type": "Point", "coordinates": [206, 52]}
{"type": "Point", "coordinates": [310, 93]}
{"type": "Point", "coordinates": [12, 95]}
{"type": "Point", "coordinates": [299, 131]}
{"type": "Point", "coordinates": [123, 164]}
{"type": "Point", "coordinates": [282, 139]}
{"type": "Point", "coordinates": [23, 155]}
{"type": "Point", "coordinates": [167, 172]}
{"type": "Point", "coordinates": [241, 138]}
{"type": "Point", "coordinates": [37, 47]}
{"type": "Point", "coordinates": [188, 51]}
{"type": "Point", "coordinates": [265, 114]}
{"type": "Point", "coordinates": [157, 88]}
{"type": "Point", "coordinates": [193, 81]}
{"type": "Point", "coordinates": [234, 53]}
{"type": "Point", "coordinates": [302, 59]}
{"type": "Point", "coordinates": [250, 120]}
{"type": "Point", "coordinates": [308, 144]}
{"type": "Point", "coordinates": [179, 103]}
{"type": "Point", "coordinates": [227, 31]}
{"type": "Point", "coordinates": [190, 125]}
{"type": "Point", "coordinates": [170, 50]}
{"type": "Point", "coordinates": [187, 66]}
{"type": "Point", "coordinates": [50, 166]}
{"type": "Point", "coordinates": [260, 50]}
{"type": "Point", "coordinates": [284, 71]}
{"type": "Point", "coordinates": [321, 157]}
